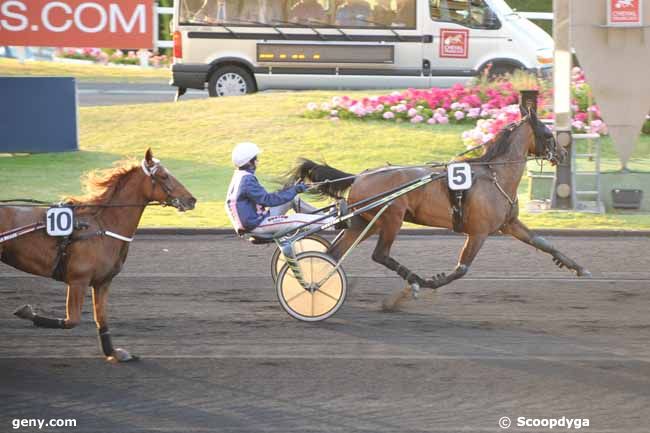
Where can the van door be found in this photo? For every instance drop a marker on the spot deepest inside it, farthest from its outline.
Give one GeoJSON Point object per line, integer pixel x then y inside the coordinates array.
{"type": "Point", "coordinates": [466, 35]}
{"type": "Point", "coordinates": [393, 30]}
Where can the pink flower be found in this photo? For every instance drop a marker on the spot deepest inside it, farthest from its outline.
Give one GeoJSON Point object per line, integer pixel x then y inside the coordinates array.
{"type": "Point", "coordinates": [581, 116]}
{"type": "Point", "coordinates": [312, 106]}
{"type": "Point", "coordinates": [578, 125]}
{"type": "Point", "coordinates": [443, 120]}
{"type": "Point", "coordinates": [417, 119]}
{"type": "Point", "coordinates": [459, 115]}
{"type": "Point", "coordinates": [388, 115]}
{"type": "Point", "coordinates": [431, 121]}
{"type": "Point", "coordinates": [597, 127]}
{"type": "Point", "coordinates": [412, 112]}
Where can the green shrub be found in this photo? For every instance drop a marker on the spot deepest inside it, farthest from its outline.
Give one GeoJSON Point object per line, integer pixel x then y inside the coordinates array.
{"type": "Point", "coordinates": [125, 61]}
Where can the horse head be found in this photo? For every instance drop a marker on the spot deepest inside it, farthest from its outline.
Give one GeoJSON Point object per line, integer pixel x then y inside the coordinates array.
{"type": "Point", "coordinates": [164, 187]}
{"type": "Point", "coordinates": [542, 143]}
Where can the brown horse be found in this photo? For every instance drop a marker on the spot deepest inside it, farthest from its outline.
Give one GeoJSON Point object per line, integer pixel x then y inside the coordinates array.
{"type": "Point", "coordinates": [488, 207]}
{"type": "Point", "coordinates": [93, 255]}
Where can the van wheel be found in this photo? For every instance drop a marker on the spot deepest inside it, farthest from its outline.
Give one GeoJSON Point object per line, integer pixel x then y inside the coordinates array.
{"type": "Point", "coordinates": [501, 69]}
{"type": "Point", "coordinates": [231, 80]}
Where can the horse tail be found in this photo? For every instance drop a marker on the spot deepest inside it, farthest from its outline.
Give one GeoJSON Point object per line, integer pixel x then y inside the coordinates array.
{"type": "Point", "coordinates": [309, 171]}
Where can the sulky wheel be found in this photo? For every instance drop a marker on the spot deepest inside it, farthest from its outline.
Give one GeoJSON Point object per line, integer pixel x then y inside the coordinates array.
{"type": "Point", "coordinates": [319, 302]}
{"type": "Point", "coordinates": [310, 243]}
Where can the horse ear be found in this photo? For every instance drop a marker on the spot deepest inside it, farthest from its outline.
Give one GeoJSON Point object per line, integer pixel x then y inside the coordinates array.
{"type": "Point", "coordinates": [523, 110]}
{"type": "Point", "coordinates": [148, 156]}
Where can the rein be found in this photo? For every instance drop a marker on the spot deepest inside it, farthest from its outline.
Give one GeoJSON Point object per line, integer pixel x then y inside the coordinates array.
{"type": "Point", "coordinates": [149, 171]}
{"type": "Point", "coordinates": [435, 164]}
{"type": "Point", "coordinates": [30, 203]}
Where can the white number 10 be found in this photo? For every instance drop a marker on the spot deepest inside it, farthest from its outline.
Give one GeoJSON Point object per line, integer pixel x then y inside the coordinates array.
{"type": "Point", "coordinates": [59, 221]}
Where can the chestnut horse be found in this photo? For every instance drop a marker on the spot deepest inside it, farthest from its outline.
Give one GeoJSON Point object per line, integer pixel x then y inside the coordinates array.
{"type": "Point", "coordinates": [106, 220]}
{"type": "Point", "coordinates": [490, 205]}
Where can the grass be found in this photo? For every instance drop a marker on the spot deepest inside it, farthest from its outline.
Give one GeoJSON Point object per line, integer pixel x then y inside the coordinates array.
{"type": "Point", "coordinates": [194, 138]}
{"type": "Point", "coordinates": [85, 72]}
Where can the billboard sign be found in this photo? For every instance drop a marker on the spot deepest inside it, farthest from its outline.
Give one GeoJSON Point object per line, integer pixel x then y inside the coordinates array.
{"type": "Point", "coordinates": [624, 13]}
{"type": "Point", "coordinates": [77, 23]}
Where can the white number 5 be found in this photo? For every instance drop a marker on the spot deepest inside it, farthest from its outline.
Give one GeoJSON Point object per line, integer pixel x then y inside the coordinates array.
{"type": "Point", "coordinates": [459, 176]}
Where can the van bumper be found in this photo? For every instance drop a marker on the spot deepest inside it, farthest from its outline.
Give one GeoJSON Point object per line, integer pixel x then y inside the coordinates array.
{"type": "Point", "coordinates": [189, 75]}
{"type": "Point", "coordinates": [545, 72]}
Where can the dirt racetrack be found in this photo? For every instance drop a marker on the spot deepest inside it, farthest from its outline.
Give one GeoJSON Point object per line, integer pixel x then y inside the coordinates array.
{"type": "Point", "coordinates": [517, 337]}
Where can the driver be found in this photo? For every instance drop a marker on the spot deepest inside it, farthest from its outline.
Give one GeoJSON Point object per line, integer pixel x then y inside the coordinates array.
{"type": "Point", "coordinates": [251, 209]}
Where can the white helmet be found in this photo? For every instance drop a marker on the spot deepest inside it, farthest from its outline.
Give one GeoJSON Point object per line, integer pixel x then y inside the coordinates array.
{"type": "Point", "coordinates": [244, 152]}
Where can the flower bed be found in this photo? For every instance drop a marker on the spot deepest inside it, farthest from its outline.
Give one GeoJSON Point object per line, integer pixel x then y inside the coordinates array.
{"type": "Point", "coordinates": [119, 57]}
{"type": "Point", "coordinates": [488, 105]}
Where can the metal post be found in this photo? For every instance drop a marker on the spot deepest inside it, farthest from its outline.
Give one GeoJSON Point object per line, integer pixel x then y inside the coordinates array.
{"type": "Point", "coordinates": [156, 27]}
{"type": "Point", "coordinates": [562, 197]}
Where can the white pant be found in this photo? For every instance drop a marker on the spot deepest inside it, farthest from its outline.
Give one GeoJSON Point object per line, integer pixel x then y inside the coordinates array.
{"type": "Point", "coordinates": [277, 220]}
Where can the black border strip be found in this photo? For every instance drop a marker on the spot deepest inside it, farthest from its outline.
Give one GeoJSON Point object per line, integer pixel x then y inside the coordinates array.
{"type": "Point", "coordinates": [426, 39]}
{"type": "Point", "coordinates": [392, 72]}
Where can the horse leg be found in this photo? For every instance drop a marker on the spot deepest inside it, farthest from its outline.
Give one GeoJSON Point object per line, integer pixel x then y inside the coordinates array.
{"type": "Point", "coordinates": [518, 230]}
{"type": "Point", "coordinates": [76, 294]}
{"type": "Point", "coordinates": [100, 303]}
{"type": "Point", "coordinates": [382, 250]}
{"type": "Point", "coordinates": [349, 236]}
{"type": "Point", "coordinates": [473, 244]}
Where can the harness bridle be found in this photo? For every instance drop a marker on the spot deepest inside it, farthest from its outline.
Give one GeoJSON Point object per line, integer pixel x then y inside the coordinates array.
{"type": "Point", "coordinates": [150, 171]}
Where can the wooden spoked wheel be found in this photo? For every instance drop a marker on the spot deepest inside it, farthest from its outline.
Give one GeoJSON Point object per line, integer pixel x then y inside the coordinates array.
{"type": "Point", "coordinates": [318, 302]}
{"type": "Point", "coordinates": [310, 243]}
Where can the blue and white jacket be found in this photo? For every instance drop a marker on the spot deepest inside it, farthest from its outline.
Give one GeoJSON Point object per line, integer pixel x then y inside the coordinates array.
{"type": "Point", "coordinates": [247, 200]}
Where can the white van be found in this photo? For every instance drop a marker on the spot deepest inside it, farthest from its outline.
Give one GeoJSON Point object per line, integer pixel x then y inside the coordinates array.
{"type": "Point", "coordinates": [235, 47]}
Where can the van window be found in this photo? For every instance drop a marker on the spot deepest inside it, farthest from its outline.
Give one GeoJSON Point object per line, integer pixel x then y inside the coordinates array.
{"type": "Point", "coordinates": [340, 13]}
{"type": "Point", "coordinates": [470, 13]}
{"type": "Point", "coordinates": [233, 12]}
{"type": "Point", "coordinates": [375, 13]}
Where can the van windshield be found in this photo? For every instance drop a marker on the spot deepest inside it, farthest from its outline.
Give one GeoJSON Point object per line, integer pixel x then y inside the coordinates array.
{"type": "Point", "coordinates": [470, 13]}
{"type": "Point", "coordinates": [339, 13]}
{"type": "Point", "coordinates": [500, 7]}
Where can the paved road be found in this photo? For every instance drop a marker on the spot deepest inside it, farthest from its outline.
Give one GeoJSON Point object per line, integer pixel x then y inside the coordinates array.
{"type": "Point", "coordinates": [91, 94]}
{"type": "Point", "coordinates": [517, 337]}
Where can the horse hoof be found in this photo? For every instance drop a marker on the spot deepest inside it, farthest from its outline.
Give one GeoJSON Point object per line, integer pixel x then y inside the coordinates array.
{"type": "Point", "coordinates": [121, 355]}
{"type": "Point", "coordinates": [25, 312]}
{"type": "Point", "coordinates": [584, 273]}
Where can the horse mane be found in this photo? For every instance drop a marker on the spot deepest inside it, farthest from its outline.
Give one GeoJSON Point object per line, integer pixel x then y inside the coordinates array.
{"type": "Point", "coordinates": [100, 185]}
{"type": "Point", "coordinates": [496, 147]}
